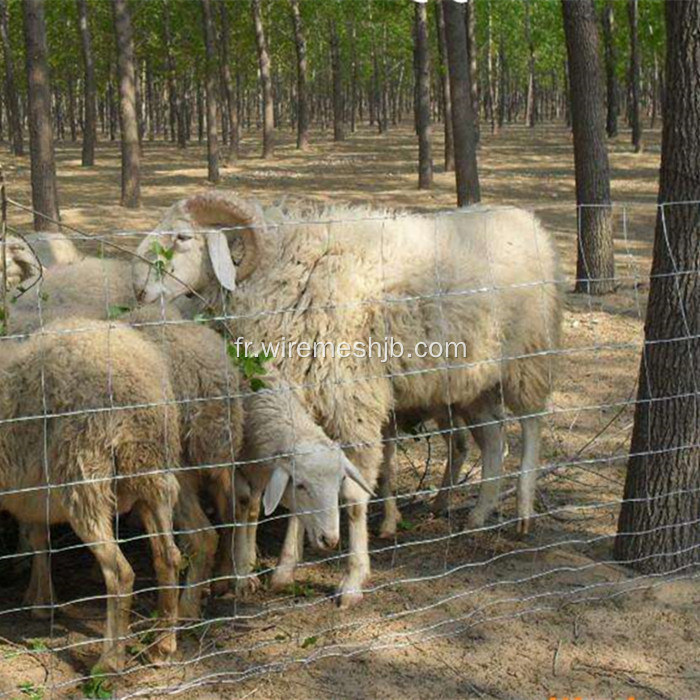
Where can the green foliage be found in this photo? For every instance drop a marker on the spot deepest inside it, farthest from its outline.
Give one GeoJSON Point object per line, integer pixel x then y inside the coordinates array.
{"type": "Point", "coordinates": [97, 686]}
{"type": "Point", "coordinates": [30, 690]}
{"type": "Point", "coordinates": [251, 366]}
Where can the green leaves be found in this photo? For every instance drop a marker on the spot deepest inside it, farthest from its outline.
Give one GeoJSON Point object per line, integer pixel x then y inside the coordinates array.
{"type": "Point", "coordinates": [96, 686]}
{"type": "Point", "coordinates": [163, 258]}
{"type": "Point", "coordinates": [251, 366]}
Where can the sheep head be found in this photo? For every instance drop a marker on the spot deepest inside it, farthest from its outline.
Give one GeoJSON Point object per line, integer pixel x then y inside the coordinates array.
{"type": "Point", "coordinates": [308, 484]}
{"type": "Point", "coordinates": [21, 263]}
{"type": "Point", "coordinates": [191, 247]}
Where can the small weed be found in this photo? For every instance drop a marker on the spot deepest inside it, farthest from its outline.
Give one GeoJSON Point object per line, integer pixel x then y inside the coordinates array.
{"type": "Point", "coordinates": [252, 366]}
{"type": "Point", "coordinates": [309, 642]}
{"type": "Point", "coordinates": [117, 310]}
{"type": "Point", "coordinates": [31, 691]}
{"type": "Point", "coordinates": [97, 686]}
{"type": "Point", "coordinates": [36, 645]}
{"type": "Point", "coordinates": [163, 257]}
{"type": "Point", "coordinates": [405, 525]}
{"type": "Point", "coordinates": [299, 590]}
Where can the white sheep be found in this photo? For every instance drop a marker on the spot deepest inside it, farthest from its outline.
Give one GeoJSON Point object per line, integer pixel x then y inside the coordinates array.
{"type": "Point", "coordinates": [281, 453]}
{"type": "Point", "coordinates": [88, 429]}
{"type": "Point", "coordinates": [21, 262]}
{"type": "Point", "coordinates": [483, 278]}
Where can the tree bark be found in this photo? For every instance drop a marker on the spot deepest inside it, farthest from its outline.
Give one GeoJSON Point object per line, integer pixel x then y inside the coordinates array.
{"type": "Point", "coordinates": [472, 53]}
{"type": "Point", "coordinates": [265, 81]}
{"type": "Point", "coordinates": [212, 95]}
{"type": "Point", "coordinates": [43, 167]}
{"type": "Point", "coordinates": [336, 70]}
{"type": "Point", "coordinates": [446, 97]}
{"type": "Point", "coordinates": [230, 101]}
{"type": "Point", "coordinates": [14, 116]}
{"type": "Point", "coordinates": [611, 78]}
{"type": "Point", "coordinates": [90, 89]}
{"type": "Point", "coordinates": [531, 104]}
{"type": "Point", "coordinates": [635, 120]}
{"type": "Point", "coordinates": [422, 97]}
{"type": "Point", "coordinates": [463, 120]}
{"type": "Point", "coordinates": [658, 528]}
{"type": "Point", "coordinates": [131, 152]}
{"type": "Point", "coordinates": [595, 270]}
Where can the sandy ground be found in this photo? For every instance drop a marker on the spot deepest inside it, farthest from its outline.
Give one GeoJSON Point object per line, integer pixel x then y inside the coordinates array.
{"type": "Point", "coordinates": [449, 614]}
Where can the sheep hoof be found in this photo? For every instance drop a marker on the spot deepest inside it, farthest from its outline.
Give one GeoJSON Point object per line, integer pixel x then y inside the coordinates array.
{"type": "Point", "coordinates": [111, 661]}
{"type": "Point", "coordinates": [523, 526]}
{"type": "Point", "coordinates": [281, 578]}
{"type": "Point", "coordinates": [247, 586]}
{"type": "Point", "coordinates": [388, 530]}
{"type": "Point", "coordinates": [475, 520]}
{"type": "Point", "coordinates": [40, 613]}
{"type": "Point", "coordinates": [220, 587]}
{"type": "Point", "coordinates": [350, 592]}
{"type": "Point", "coordinates": [162, 652]}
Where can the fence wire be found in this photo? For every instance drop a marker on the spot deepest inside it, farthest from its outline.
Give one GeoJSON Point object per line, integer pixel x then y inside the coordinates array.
{"type": "Point", "coordinates": [435, 574]}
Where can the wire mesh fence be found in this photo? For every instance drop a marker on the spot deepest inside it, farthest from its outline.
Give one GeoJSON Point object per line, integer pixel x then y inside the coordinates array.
{"type": "Point", "coordinates": [139, 431]}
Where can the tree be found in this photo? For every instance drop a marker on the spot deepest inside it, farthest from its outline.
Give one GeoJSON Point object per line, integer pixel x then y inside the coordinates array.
{"type": "Point", "coordinates": [336, 70]}
{"type": "Point", "coordinates": [128, 119]}
{"type": "Point", "coordinates": [463, 119]}
{"type": "Point", "coordinates": [43, 167]}
{"type": "Point", "coordinates": [90, 93]}
{"type": "Point", "coordinates": [446, 97]}
{"type": "Point", "coordinates": [212, 97]}
{"type": "Point", "coordinates": [265, 80]}
{"type": "Point", "coordinates": [610, 76]}
{"type": "Point", "coordinates": [595, 268]}
{"type": "Point", "coordinates": [302, 101]}
{"type": "Point", "coordinates": [635, 121]}
{"type": "Point", "coordinates": [472, 53]}
{"type": "Point", "coordinates": [231, 107]}
{"type": "Point", "coordinates": [422, 93]}
{"type": "Point", "coordinates": [11, 98]}
{"type": "Point", "coordinates": [531, 108]}
{"type": "Point", "coordinates": [658, 527]}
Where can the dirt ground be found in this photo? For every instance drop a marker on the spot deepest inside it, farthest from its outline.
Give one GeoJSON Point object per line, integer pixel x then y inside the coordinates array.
{"type": "Point", "coordinates": [448, 614]}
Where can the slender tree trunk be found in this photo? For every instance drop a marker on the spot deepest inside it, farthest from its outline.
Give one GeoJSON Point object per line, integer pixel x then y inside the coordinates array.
{"type": "Point", "coordinates": [212, 97]}
{"type": "Point", "coordinates": [659, 525]}
{"type": "Point", "coordinates": [131, 152]}
{"type": "Point", "coordinates": [446, 96]}
{"type": "Point", "coordinates": [336, 70]}
{"type": "Point", "coordinates": [635, 120]}
{"type": "Point", "coordinates": [14, 116]}
{"type": "Point", "coordinates": [463, 120]}
{"type": "Point", "coordinates": [265, 81]}
{"type": "Point", "coordinates": [90, 89]}
{"type": "Point", "coordinates": [354, 78]}
{"type": "Point", "coordinates": [595, 270]}
{"type": "Point", "coordinates": [611, 77]}
{"type": "Point", "coordinates": [472, 53]}
{"type": "Point", "coordinates": [530, 109]}
{"type": "Point", "coordinates": [43, 168]}
{"type": "Point", "coordinates": [490, 81]}
{"type": "Point", "coordinates": [422, 97]}
{"type": "Point", "coordinates": [230, 101]}
{"type": "Point", "coordinates": [501, 81]}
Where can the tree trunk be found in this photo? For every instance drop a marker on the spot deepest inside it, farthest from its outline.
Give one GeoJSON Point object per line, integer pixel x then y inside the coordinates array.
{"type": "Point", "coordinates": [422, 97]}
{"type": "Point", "coordinates": [530, 109]}
{"type": "Point", "coordinates": [131, 155]}
{"type": "Point", "coordinates": [230, 101]}
{"type": "Point", "coordinates": [472, 53]}
{"type": "Point", "coordinates": [595, 271]}
{"type": "Point", "coordinates": [635, 120]}
{"type": "Point", "coordinates": [658, 530]}
{"type": "Point", "coordinates": [90, 89]}
{"type": "Point", "coordinates": [14, 117]}
{"type": "Point", "coordinates": [611, 78]}
{"type": "Point", "coordinates": [336, 69]}
{"type": "Point", "coordinates": [265, 81]}
{"type": "Point", "coordinates": [446, 97]}
{"type": "Point", "coordinates": [212, 96]}
{"type": "Point", "coordinates": [43, 168]}
{"type": "Point", "coordinates": [354, 78]}
{"type": "Point", "coordinates": [463, 120]}
{"type": "Point", "coordinates": [490, 81]}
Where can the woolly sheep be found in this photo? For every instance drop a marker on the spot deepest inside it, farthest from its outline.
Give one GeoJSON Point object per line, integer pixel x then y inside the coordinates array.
{"type": "Point", "coordinates": [284, 456]}
{"type": "Point", "coordinates": [484, 277]}
{"type": "Point", "coordinates": [106, 395]}
{"type": "Point", "coordinates": [21, 263]}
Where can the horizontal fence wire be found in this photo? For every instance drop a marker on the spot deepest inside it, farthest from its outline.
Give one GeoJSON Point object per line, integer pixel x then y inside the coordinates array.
{"type": "Point", "coordinates": [115, 434]}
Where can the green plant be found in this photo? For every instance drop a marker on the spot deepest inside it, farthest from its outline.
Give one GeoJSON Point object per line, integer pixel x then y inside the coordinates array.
{"type": "Point", "coordinates": [97, 686]}
{"type": "Point", "coordinates": [31, 691]}
{"type": "Point", "coordinates": [309, 642]}
{"type": "Point", "coordinates": [117, 310]}
{"type": "Point", "coordinates": [252, 366]}
{"type": "Point", "coordinates": [36, 645]}
{"type": "Point", "coordinates": [163, 257]}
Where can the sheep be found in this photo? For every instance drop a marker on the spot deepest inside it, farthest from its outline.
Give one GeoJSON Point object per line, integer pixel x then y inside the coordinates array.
{"type": "Point", "coordinates": [21, 263]}
{"type": "Point", "coordinates": [88, 430]}
{"type": "Point", "coordinates": [351, 274]}
{"type": "Point", "coordinates": [281, 451]}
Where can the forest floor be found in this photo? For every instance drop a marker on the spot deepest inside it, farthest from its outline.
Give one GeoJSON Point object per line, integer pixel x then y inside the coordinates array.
{"type": "Point", "coordinates": [449, 615]}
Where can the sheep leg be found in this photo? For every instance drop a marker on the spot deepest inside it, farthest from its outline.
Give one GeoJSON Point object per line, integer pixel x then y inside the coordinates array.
{"type": "Point", "coordinates": [200, 545]}
{"type": "Point", "coordinates": [158, 522]}
{"type": "Point", "coordinates": [119, 582]}
{"type": "Point", "coordinates": [246, 532]}
{"type": "Point", "coordinates": [39, 594]}
{"type": "Point", "coordinates": [490, 438]}
{"type": "Point", "coordinates": [292, 552]}
{"type": "Point", "coordinates": [527, 480]}
{"type": "Point", "coordinates": [456, 441]}
{"type": "Point", "coordinates": [224, 571]}
{"type": "Point", "coordinates": [350, 590]}
{"type": "Point", "coordinates": [387, 489]}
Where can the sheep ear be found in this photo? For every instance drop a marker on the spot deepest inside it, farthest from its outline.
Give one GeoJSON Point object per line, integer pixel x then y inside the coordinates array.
{"type": "Point", "coordinates": [275, 490]}
{"type": "Point", "coordinates": [352, 472]}
{"type": "Point", "coordinates": [221, 261]}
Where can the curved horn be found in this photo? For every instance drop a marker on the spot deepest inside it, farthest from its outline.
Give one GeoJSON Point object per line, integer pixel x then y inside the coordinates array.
{"type": "Point", "coordinates": [224, 209]}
